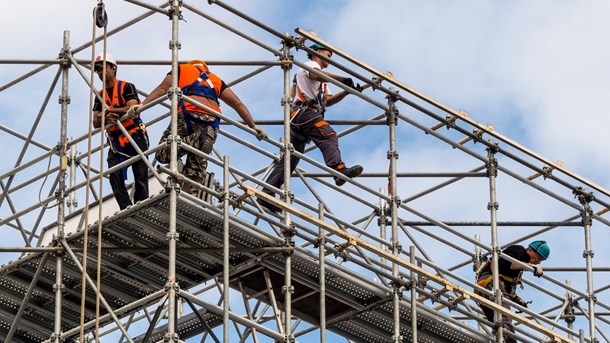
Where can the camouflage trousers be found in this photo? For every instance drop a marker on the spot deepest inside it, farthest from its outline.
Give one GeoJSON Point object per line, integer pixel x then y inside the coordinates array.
{"type": "Point", "coordinates": [202, 138]}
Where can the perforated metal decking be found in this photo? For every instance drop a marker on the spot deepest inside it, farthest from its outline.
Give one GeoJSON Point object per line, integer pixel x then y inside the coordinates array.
{"type": "Point", "coordinates": [134, 267]}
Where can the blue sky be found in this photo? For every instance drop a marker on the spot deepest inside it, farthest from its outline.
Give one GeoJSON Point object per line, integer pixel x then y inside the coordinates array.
{"type": "Point", "coordinates": [536, 71]}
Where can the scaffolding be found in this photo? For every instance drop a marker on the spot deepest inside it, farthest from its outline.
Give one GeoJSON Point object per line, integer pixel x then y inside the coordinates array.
{"type": "Point", "coordinates": [367, 262]}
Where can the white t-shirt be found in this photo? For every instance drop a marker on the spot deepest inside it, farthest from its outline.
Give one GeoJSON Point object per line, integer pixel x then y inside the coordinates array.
{"type": "Point", "coordinates": [309, 87]}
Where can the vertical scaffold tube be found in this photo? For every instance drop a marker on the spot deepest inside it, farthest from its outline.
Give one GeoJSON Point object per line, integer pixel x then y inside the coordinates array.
{"type": "Point", "coordinates": [585, 197]}
{"type": "Point", "coordinates": [225, 250]}
{"type": "Point", "coordinates": [322, 253]}
{"type": "Point", "coordinates": [392, 117]}
{"type": "Point", "coordinates": [492, 206]}
{"type": "Point", "coordinates": [288, 232]}
{"type": "Point", "coordinates": [64, 100]}
{"type": "Point", "coordinates": [383, 224]}
{"type": "Point", "coordinates": [172, 286]}
{"type": "Point", "coordinates": [413, 297]}
{"type": "Point", "coordinates": [72, 162]}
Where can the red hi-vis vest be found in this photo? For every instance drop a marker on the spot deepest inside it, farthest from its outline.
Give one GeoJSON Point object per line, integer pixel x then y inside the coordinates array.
{"type": "Point", "coordinates": [200, 85]}
{"type": "Point", "coordinates": [118, 141]}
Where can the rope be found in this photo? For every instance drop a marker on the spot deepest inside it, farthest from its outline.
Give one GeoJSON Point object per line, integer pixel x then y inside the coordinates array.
{"type": "Point", "coordinates": [99, 227]}
{"type": "Point", "coordinates": [99, 20]}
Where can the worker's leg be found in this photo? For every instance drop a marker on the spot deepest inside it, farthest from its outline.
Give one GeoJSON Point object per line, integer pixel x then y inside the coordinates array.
{"type": "Point", "coordinates": [163, 155]}
{"type": "Point", "coordinates": [489, 313]}
{"type": "Point", "coordinates": [195, 166]}
{"type": "Point", "coordinates": [140, 170]}
{"type": "Point", "coordinates": [117, 180]}
{"type": "Point", "coordinates": [276, 177]}
{"type": "Point", "coordinates": [325, 138]}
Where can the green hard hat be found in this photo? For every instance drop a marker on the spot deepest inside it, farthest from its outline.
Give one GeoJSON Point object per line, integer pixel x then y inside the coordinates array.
{"type": "Point", "coordinates": [541, 248]}
{"type": "Point", "coordinates": [316, 47]}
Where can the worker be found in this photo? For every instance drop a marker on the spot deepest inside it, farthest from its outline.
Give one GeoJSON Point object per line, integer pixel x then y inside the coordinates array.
{"type": "Point", "coordinates": [119, 97]}
{"type": "Point", "coordinates": [197, 127]}
{"type": "Point", "coordinates": [510, 277]}
{"type": "Point", "coordinates": [307, 121]}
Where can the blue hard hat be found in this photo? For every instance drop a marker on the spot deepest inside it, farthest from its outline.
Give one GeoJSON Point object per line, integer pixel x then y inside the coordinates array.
{"type": "Point", "coordinates": [541, 248]}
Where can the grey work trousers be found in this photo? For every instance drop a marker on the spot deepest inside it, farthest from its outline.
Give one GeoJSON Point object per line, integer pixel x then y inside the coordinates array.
{"type": "Point", "coordinates": [308, 125]}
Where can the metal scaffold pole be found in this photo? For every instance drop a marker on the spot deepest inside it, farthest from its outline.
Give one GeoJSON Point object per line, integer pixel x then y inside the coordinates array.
{"type": "Point", "coordinates": [322, 256]}
{"type": "Point", "coordinates": [492, 206]}
{"type": "Point", "coordinates": [64, 100]}
{"type": "Point", "coordinates": [392, 120]}
{"type": "Point", "coordinates": [172, 236]}
{"type": "Point", "coordinates": [225, 250]}
{"type": "Point", "coordinates": [288, 230]}
{"type": "Point", "coordinates": [585, 197]}
{"type": "Point", "coordinates": [413, 296]}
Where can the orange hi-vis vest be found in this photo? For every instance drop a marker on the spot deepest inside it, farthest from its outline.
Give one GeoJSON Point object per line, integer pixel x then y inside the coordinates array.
{"type": "Point", "coordinates": [200, 85]}
{"type": "Point", "coordinates": [118, 141]}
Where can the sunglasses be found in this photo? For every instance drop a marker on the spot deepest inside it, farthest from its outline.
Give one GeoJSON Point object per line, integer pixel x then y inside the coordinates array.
{"type": "Point", "coordinates": [99, 67]}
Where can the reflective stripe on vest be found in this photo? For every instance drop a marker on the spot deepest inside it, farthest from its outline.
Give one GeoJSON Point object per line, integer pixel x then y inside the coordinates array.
{"type": "Point", "coordinates": [200, 85]}
{"type": "Point", "coordinates": [116, 100]}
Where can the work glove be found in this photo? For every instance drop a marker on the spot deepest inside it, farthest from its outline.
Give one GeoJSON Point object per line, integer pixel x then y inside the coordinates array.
{"type": "Point", "coordinates": [260, 133]}
{"type": "Point", "coordinates": [132, 111]}
{"type": "Point", "coordinates": [537, 270]}
{"type": "Point", "coordinates": [348, 82]}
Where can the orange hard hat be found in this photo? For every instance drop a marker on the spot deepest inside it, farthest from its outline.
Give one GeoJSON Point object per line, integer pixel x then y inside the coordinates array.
{"type": "Point", "coordinates": [199, 63]}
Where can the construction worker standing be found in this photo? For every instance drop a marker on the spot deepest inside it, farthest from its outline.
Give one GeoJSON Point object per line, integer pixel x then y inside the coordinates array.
{"type": "Point", "coordinates": [197, 127]}
{"type": "Point", "coordinates": [510, 277]}
{"type": "Point", "coordinates": [119, 96]}
{"type": "Point", "coordinates": [307, 122]}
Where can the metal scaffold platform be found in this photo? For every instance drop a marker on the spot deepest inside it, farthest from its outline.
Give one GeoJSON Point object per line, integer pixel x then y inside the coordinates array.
{"type": "Point", "coordinates": [387, 257]}
{"type": "Point", "coordinates": [134, 264]}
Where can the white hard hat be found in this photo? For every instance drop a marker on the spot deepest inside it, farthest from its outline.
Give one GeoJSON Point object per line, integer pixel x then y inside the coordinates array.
{"type": "Point", "coordinates": [109, 59]}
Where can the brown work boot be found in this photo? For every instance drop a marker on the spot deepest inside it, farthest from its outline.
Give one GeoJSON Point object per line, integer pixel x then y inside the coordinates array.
{"type": "Point", "coordinates": [350, 172]}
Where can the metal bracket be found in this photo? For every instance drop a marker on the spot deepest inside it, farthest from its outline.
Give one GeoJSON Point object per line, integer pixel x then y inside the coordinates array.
{"type": "Point", "coordinates": [171, 183]}
{"type": "Point", "coordinates": [175, 236]}
{"type": "Point", "coordinates": [171, 337]}
{"type": "Point", "coordinates": [587, 253]}
{"type": "Point", "coordinates": [396, 247]}
{"type": "Point", "coordinates": [64, 99]}
{"type": "Point", "coordinates": [299, 41]}
{"type": "Point", "coordinates": [391, 154]}
{"type": "Point", "coordinates": [495, 205]}
{"type": "Point", "coordinates": [547, 171]}
{"type": "Point", "coordinates": [285, 289]}
{"type": "Point", "coordinates": [492, 167]}
{"type": "Point", "coordinates": [61, 288]}
{"type": "Point", "coordinates": [176, 44]}
{"type": "Point", "coordinates": [285, 100]}
{"type": "Point", "coordinates": [583, 195]}
{"type": "Point", "coordinates": [478, 135]}
{"type": "Point", "coordinates": [591, 297]}
{"type": "Point", "coordinates": [376, 82]}
{"type": "Point", "coordinates": [450, 121]}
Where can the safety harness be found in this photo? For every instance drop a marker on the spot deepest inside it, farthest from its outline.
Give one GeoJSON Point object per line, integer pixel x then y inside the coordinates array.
{"type": "Point", "coordinates": [485, 268]}
{"type": "Point", "coordinates": [318, 104]}
{"type": "Point", "coordinates": [206, 94]}
{"type": "Point", "coordinates": [134, 126]}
